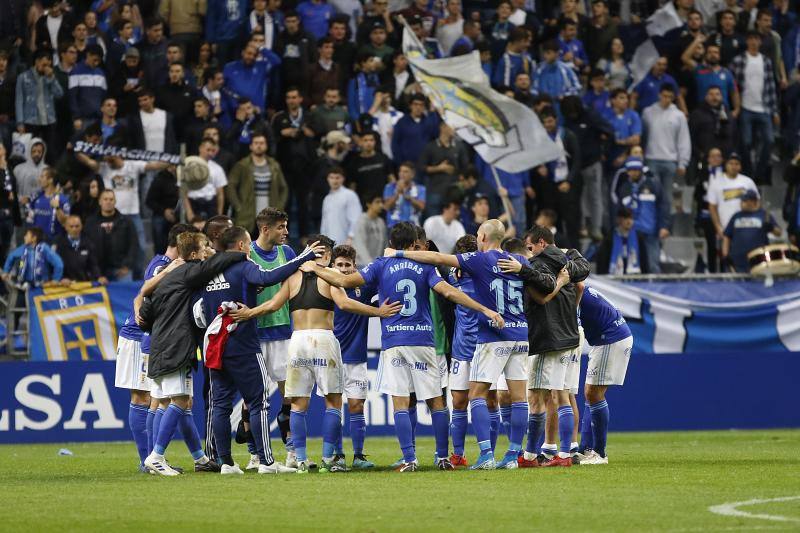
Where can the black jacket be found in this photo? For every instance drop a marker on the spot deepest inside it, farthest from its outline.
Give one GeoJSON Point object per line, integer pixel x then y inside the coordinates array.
{"type": "Point", "coordinates": [710, 129]}
{"type": "Point", "coordinates": [80, 264]}
{"type": "Point", "coordinates": [589, 128]}
{"type": "Point", "coordinates": [179, 99]}
{"type": "Point", "coordinates": [554, 326]}
{"type": "Point", "coordinates": [168, 316]}
{"type": "Point", "coordinates": [9, 200]}
{"type": "Point", "coordinates": [163, 193]}
{"type": "Point", "coordinates": [115, 240]}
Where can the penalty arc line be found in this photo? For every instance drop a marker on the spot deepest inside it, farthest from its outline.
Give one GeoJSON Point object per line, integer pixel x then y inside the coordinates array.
{"type": "Point", "coordinates": [731, 509]}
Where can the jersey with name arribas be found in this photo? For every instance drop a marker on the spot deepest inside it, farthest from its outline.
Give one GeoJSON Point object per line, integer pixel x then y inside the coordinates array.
{"type": "Point", "coordinates": [466, 330]}
{"type": "Point", "coordinates": [502, 292]}
{"type": "Point", "coordinates": [408, 282]}
{"type": "Point", "coordinates": [351, 328]}
{"type": "Point", "coordinates": [239, 283]}
{"type": "Point", "coordinates": [602, 322]}
{"type": "Point", "coordinates": [130, 329]}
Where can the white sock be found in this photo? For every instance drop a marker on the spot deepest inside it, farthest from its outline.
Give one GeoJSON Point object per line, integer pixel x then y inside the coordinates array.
{"type": "Point", "coordinates": [203, 460]}
{"type": "Point", "coordinates": [549, 450]}
{"type": "Point", "coordinates": [529, 456]}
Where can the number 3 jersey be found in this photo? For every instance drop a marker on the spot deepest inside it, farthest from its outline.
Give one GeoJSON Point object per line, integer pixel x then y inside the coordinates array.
{"type": "Point", "coordinates": [498, 291]}
{"type": "Point", "coordinates": [408, 282]}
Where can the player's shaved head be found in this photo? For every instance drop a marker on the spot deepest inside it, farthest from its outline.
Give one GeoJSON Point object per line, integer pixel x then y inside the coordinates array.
{"type": "Point", "coordinates": [494, 231]}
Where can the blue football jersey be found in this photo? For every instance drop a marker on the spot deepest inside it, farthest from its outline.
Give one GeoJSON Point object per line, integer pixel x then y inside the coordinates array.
{"type": "Point", "coordinates": [496, 290]}
{"type": "Point", "coordinates": [408, 282]}
{"type": "Point", "coordinates": [466, 330]}
{"type": "Point", "coordinates": [351, 329]}
{"type": "Point", "coordinates": [130, 329]}
{"type": "Point", "coordinates": [602, 322]}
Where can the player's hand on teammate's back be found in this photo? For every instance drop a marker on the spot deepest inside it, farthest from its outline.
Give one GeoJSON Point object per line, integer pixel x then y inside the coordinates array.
{"type": "Point", "coordinates": [175, 263]}
{"type": "Point", "coordinates": [242, 314]}
{"type": "Point", "coordinates": [496, 318]}
{"type": "Point", "coordinates": [389, 252]}
{"type": "Point", "coordinates": [509, 265]}
{"type": "Point", "coordinates": [563, 277]}
{"type": "Point", "coordinates": [386, 309]}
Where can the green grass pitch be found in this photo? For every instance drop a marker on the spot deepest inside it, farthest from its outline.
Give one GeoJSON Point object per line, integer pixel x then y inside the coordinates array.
{"type": "Point", "coordinates": [655, 482]}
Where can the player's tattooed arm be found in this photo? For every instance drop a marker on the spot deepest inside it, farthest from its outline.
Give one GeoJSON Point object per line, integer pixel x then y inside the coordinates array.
{"type": "Point", "coordinates": [245, 313]}
{"type": "Point", "coordinates": [536, 276]}
{"type": "Point", "coordinates": [345, 303]}
{"type": "Point", "coordinates": [334, 277]}
{"type": "Point", "coordinates": [460, 298]}
{"type": "Point", "coordinates": [430, 258]}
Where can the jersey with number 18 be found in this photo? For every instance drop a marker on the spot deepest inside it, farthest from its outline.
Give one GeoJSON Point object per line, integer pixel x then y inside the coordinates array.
{"type": "Point", "coordinates": [408, 282]}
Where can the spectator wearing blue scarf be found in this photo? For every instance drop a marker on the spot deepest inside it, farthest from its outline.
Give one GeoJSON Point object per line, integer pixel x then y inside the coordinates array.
{"type": "Point", "coordinates": [624, 251]}
{"type": "Point", "coordinates": [361, 87]}
{"type": "Point", "coordinates": [34, 263]}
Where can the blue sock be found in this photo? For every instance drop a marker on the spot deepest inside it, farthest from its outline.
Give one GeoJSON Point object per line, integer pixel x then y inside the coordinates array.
{"type": "Point", "coordinates": [600, 416]}
{"type": "Point", "coordinates": [157, 423]}
{"type": "Point", "coordinates": [339, 448]}
{"type": "Point", "coordinates": [412, 416]}
{"type": "Point", "coordinates": [297, 425]}
{"type": "Point", "coordinates": [494, 427]}
{"type": "Point", "coordinates": [151, 414]}
{"type": "Point", "coordinates": [536, 423]}
{"type": "Point", "coordinates": [566, 425]}
{"type": "Point", "coordinates": [190, 435]}
{"type": "Point", "coordinates": [458, 430]}
{"type": "Point", "coordinates": [331, 431]}
{"type": "Point", "coordinates": [587, 440]}
{"type": "Point", "coordinates": [505, 414]}
{"type": "Point", "coordinates": [137, 420]}
{"type": "Point", "coordinates": [169, 422]}
{"type": "Point", "coordinates": [402, 426]}
{"type": "Point", "coordinates": [441, 424]}
{"type": "Point", "coordinates": [519, 416]}
{"type": "Point", "coordinates": [480, 424]}
{"type": "Point", "coordinates": [358, 432]}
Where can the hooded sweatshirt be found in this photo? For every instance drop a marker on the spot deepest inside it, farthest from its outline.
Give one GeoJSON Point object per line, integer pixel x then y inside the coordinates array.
{"type": "Point", "coordinates": [27, 173]}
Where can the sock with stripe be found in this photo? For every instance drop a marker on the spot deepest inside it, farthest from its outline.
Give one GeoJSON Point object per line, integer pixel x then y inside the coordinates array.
{"type": "Point", "coordinates": [297, 423]}
{"type": "Point", "coordinates": [536, 423]}
{"type": "Point", "coordinates": [358, 432]}
{"type": "Point", "coordinates": [137, 420]}
{"type": "Point", "coordinates": [402, 427]}
{"type": "Point", "coordinates": [151, 414]}
{"type": "Point", "coordinates": [566, 425]}
{"type": "Point", "coordinates": [519, 417]}
{"type": "Point", "coordinates": [331, 432]}
{"type": "Point", "coordinates": [169, 423]}
{"type": "Point", "coordinates": [494, 427]}
{"type": "Point", "coordinates": [412, 416]}
{"type": "Point", "coordinates": [480, 424]}
{"type": "Point", "coordinates": [600, 416]}
{"type": "Point", "coordinates": [441, 424]}
{"type": "Point", "coordinates": [505, 415]}
{"type": "Point", "coordinates": [458, 430]}
{"type": "Point", "coordinates": [587, 440]}
{"type": "Point", "coordinates": [191, 436]}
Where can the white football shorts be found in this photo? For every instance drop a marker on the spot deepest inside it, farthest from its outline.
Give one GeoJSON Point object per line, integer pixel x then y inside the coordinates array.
{"type": "Point", "coordinates": [574, 370]}
{"type": "Point", "coordinates": [131, 371]}
{"type": "Point", "coordinates": [495, 359]}
{"type": "Point", "coordinates": [549, 370]}
{"type": "Point", "coordinates": [314, 359]}
{"type": "Point", "coordinates": [608, 363]}
{"type": "Point", "coordinates": [179, 383]}
{"type": "Point", "coordinates": [275, 353]}
{"type": "Point", "coordinates": [406, 369]}
{"type": "Point", "coordinates": [356, 383]}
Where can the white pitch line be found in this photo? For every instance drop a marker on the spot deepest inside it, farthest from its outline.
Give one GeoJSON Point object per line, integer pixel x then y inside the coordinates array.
{"type": "Point", "coordinates": [731, 509]}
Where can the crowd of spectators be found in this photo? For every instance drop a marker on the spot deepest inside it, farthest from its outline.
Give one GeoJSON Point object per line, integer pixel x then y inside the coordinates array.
{"type": "Point", "coordinates": [311, 107]}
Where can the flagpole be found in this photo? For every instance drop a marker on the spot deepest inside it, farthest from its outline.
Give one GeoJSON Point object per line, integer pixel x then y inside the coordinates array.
{"type": "Point", "coordinates": [503, 198]}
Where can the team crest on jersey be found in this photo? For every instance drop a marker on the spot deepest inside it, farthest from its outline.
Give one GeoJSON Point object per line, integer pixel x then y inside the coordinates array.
{"type": "Point", "coordinates": [218, 283]}
{"type": "Point", "coordinates": [358, 292]}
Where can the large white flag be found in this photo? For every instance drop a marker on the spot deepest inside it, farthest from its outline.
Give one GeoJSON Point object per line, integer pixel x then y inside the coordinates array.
{"type": "Point", "coordinates": [664, 20]}
{"type": "Point", "coordinates": [506, 133]}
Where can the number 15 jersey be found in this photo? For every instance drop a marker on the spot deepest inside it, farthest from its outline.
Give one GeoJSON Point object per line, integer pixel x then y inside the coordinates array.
{"type": "Point", "coordinates": [408, 282]}
{"type": "Point", "coordinates": [498, 291]}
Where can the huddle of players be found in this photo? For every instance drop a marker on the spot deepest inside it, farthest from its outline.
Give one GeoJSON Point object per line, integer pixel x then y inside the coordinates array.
{"type": "Point", "coordinates": [496, 293]}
